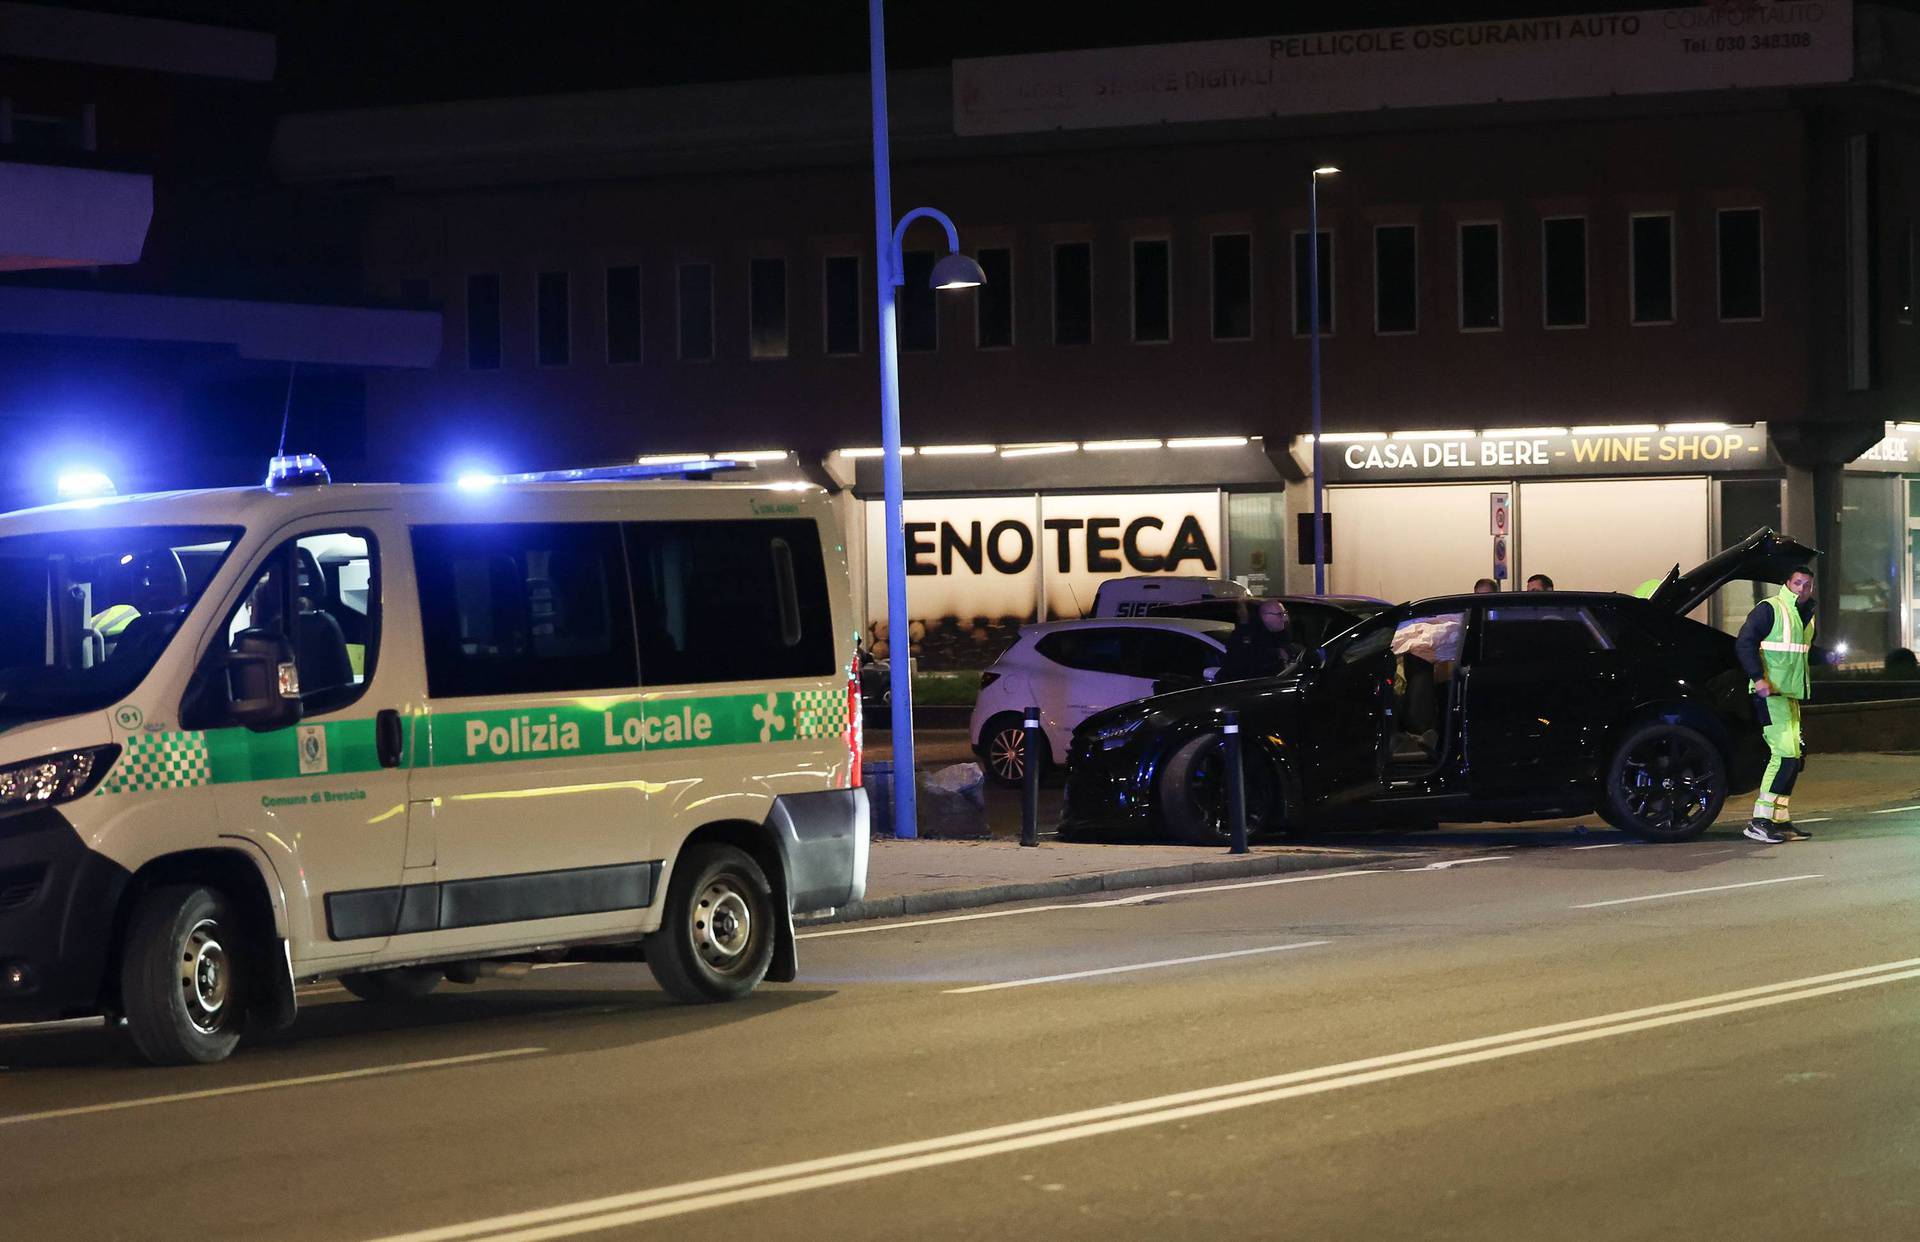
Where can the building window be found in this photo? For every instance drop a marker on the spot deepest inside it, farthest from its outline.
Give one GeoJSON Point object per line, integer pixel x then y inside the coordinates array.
{"type": "Point", "coordinates": [623, 315]}
{"type": "Point", "coordinates": [919, 314]}
{"type": "Point", "coordinates": [993, 301]}
{"type": "Point", "coordinates": [415, 291]}
{"type": "Point", "coordinates": [1231, 286]}
{"type": "Point", "coordinates": [767, 308]}
{"type": "Point", "coordinates": [1651, 270]}
{"type": "Point", "coordinates": [695, 289]}
{"type": "Point", "coordinates": [1073, 293]}
{"type": "Point", "coordinates": [1742, 284]}
{"type": "Point", "coordinates": [1480, 277]}
{"type": "Point", "coordinates": [1563, 272]}
{"type": "Point", "coordinates": [1152, 292]}
{"type": "Point", "coordinates": [843, 304]}
{"type": "Point", "coordinates": [553, 327]}
{"type": "Point", "coordinates": [1396, 279]}
{"type": "Point", "coordinates": [483, 322]}
{"type": "Point", "coordinates": [1303, 284]}
{"type": "Point", "coordinates": [1904, 307]}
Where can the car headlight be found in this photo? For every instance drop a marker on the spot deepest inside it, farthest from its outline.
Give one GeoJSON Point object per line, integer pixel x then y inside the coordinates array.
{"type": "Point", "coordinates": [1114, 736]}
{"type": "Point", "coordinates": [54, 779]}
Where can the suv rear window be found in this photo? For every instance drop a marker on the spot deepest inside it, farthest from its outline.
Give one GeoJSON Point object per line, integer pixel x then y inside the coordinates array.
{"type": "Point", "coordinates": [1093, 650]}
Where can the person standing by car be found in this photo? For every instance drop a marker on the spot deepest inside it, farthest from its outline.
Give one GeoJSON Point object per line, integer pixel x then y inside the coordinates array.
{"type": "Point", "coordinates": [1539, 582]}
{"type": "Point", "coordinates": [1258, 646]}
{"type": "Point", "coordinates": [1485, 586]}
{"type": "Point", "coordinates": [1773, 646]}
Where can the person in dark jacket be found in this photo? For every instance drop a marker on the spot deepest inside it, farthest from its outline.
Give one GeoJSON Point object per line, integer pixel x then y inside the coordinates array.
{"type": "Point", "coordinates": [1258, 646]}
{"type": "Point", "coordinates": [1775, 646]}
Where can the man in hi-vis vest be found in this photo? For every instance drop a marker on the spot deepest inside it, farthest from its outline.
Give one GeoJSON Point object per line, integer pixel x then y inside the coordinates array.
{"type": "Point", "coordinates": [1774, 646]}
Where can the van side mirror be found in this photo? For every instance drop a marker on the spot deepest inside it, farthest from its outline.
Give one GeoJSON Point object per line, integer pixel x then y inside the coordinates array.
{"type": "Point", "coordinates": [263, 683]}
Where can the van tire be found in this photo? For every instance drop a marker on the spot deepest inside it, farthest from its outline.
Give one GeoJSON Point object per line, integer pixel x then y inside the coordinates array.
{"type": "Point", "coordinates": [716, 937]}
{"type": "Point", "coordinates": [403, 983]}
{"type": "Point", "coordinates": [183, 976]}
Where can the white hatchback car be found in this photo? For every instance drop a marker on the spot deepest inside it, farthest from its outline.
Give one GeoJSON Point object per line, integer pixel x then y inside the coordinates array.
{"type": "Point", "coordinates": [1072, 669]}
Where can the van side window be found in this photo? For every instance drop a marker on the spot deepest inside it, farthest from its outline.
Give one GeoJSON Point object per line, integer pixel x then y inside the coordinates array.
{"type": "Point", "coordinates": [321, 591]}
{"type": "Point", "coordinates": [730, 601]}
{"type": "Point", "coordinates": [524, 609]}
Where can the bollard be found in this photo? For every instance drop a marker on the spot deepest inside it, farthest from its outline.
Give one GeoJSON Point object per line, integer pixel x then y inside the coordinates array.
{"type": "Point", "coordinates": [1030, 780]}
{"type": "Point", "coordinates": [1236, 786]}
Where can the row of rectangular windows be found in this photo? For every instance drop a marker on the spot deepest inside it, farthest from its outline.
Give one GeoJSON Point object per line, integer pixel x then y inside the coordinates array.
{"type": "Point", "coordinates": [1652, 291]}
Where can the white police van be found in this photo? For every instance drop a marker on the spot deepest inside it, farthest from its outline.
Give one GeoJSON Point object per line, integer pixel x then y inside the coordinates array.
{"type": "Point", "coordinates": [396, 734]}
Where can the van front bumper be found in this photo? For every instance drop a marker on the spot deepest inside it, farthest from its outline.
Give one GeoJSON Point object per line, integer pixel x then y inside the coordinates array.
{"type": "Point", "coordinates": [57, 903]}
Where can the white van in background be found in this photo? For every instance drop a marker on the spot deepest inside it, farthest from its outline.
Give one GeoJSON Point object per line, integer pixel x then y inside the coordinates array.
{"type": "Point", "coordinates": [397, 734]}
{"type": "Point", "coordinates": [1132, 597]}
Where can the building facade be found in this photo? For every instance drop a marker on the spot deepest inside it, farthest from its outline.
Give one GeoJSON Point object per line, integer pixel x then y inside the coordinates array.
{"type": "Point", "coordinates": [1657, 295]}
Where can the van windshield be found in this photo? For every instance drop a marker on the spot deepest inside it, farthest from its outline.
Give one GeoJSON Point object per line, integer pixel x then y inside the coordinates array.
{"type": "Point", "coordinates": [84, 615]}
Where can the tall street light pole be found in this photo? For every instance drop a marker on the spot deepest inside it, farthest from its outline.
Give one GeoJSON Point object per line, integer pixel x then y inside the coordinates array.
{"type": "Point", "coordinates": [1313, 366]}
{"type": "Point", "coordinates": [955, 271]}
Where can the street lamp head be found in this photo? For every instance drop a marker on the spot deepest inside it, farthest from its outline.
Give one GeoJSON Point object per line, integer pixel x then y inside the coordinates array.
{"type": "Point", "coordinates": [1325, 170]}
{"type": "Point", "coordinates": [957, 271]}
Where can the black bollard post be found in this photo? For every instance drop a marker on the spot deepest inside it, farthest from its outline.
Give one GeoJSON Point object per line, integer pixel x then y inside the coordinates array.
{"type": "Point", "coordinates": [1030, 780]}
{"type": "Point", "coordinates": [1236, 786]}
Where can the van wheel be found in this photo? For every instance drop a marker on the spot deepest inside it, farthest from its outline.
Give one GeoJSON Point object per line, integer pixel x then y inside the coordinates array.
{"type": "Point", "coordinates": [1665, 782]}
{"type": "Point", "coordinates": [1003, 745]}
{"type": "Point", "coordinates": [1193, 792]}
{"type": "Point", "coordinates": [405, 983]}
{"type": "Point", "coordinates": [182, 976]}
{"type": "Point", "coordinates": [716, 940]}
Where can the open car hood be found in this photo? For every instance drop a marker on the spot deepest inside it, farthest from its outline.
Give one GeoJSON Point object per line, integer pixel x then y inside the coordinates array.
{"type": "Point", "coordinates": [1762, 556]}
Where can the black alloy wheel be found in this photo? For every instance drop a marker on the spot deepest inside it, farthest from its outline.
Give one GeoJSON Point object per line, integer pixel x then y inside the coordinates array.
{"type": "Point", "coordinates": [1193, 792]}
{"type": "Point", "coordinates": [1003, 746]}
{"type": "Point", "coordinates": [1666, 782]}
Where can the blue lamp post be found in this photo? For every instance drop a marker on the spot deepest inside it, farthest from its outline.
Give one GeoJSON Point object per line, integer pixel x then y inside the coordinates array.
{"type": "Point", "coordinates": [1313, 367]}
{"type": "Point", "coordinates": [955, 271]}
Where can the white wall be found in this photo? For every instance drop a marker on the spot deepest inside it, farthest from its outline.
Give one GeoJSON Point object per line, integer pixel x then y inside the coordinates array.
{"type": "Point", "coordinates": [1611, 534]}
{"type": "Point", "coordinates": [1409, 542]}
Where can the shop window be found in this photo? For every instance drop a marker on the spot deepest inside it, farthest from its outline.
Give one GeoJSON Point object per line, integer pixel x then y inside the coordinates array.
{"type": "Point", "coordinates": [767, 308]}
{"type": "Point", "coordinates": [1650, 237]}
{"type": "Point", "coordinates": [1302, 285]}
{"type": "Point", "coordinates": [624, 343]}
{"type": "Point", "coordinates": [1256, 533]}
{"type": "Point", "coordinates": [483, 322]}
{"type": "Point", "coordinates": [993, 301]}
{"type": "Point", "coordinates": [1480, 277]}
{"type": "Point", "coordinates": [730, 601]}
{"type": "Point", "coordinates": [1152, 292]}
{"type": "Point", "coordinates": [1746, 505]}
{"type": "Point", "coordinates": [1396, 279]}
{"type": "Point", "coordinates": [694, 292]}
{"type": "Point", "coordinates": [1870, 580]}
{"type": "Point", "coordinates": [1563, 271]}
{"type": "Point", "coordinates": [534, 608]}
{"type": "Point", "coordinates": [1742, 288]}
{"type": "Point", "coordinates": [842, 296]}
{"type": "Point", "coordinates": [919, 313]}
{"type": "Point", "coordinates": [1073, 293]}
{"type": "Point", "coordinates": [1232, 285]}
{"type": "Point", "coordinates": [553, 322]}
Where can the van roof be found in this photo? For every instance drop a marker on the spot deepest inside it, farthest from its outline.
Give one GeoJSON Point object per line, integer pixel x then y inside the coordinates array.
{"type": "Point", "coordinates": [252, 506]}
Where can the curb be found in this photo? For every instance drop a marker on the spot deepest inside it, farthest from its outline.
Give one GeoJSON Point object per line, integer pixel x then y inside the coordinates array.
{"type": "Point", "coordinates": [941, 900]}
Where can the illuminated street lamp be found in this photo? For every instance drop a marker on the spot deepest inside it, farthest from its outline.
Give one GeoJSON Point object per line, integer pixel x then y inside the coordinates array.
{"type": "Point", "coordinates": [1313, 367]}
{"type": "Point", "coordinates": [956, 271]}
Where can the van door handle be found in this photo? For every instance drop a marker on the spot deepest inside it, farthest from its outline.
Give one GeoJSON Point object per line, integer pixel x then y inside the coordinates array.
{"type": "Point", "coordinates": [389, 740]}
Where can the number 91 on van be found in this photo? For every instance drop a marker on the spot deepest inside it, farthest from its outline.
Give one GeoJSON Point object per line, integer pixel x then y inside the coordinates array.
{"type": "Point", "coordinates": [404, 735]}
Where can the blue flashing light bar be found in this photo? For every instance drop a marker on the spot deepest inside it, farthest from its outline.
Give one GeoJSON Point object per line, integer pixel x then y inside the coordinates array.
{"type": "Point", "coordinates": [602, 474]}
{"type": "Point", "coordinates": [83, 483]}
{"type": "Point", "coordinates": [297, 470]}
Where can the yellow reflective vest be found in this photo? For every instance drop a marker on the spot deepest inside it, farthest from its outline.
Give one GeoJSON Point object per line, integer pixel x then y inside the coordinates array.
{"type": "Point", "coordinates": [1784, 651]}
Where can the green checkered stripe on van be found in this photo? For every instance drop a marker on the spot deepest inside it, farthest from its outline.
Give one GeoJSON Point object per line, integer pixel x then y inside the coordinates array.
{"type": "Point", "coordinates": [160, 761]}
{"type": "Point", "coordinates": [819, 713]}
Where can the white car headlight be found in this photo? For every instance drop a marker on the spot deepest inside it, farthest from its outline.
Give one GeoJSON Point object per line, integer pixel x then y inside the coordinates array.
{"type": "Point", "coordinates": [1114, 736]}
{"type": "Point", "coordinates": [54, 778]}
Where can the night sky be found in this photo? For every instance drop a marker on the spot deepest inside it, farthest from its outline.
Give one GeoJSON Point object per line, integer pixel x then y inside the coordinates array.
{"type": "Point", "coordinates": [342, 53]}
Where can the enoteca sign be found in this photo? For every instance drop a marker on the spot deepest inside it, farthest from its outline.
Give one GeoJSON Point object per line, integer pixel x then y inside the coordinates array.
{"type": "Point", "coordinates": [1694, 48]}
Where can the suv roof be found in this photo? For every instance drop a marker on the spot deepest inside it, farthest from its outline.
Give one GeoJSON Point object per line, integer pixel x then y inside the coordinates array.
{"type": "Point", "coordinates": [1188, 625]}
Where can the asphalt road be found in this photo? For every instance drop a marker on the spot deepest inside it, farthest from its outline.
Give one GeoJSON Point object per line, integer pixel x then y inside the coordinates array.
{"type": "Point", "coordinates": [1611, 1041]}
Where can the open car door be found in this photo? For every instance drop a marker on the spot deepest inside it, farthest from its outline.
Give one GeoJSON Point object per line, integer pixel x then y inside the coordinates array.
{"type": "Point", "coordinates": [1763, 556]}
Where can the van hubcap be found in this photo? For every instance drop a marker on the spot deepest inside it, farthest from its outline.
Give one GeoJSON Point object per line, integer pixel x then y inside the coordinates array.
{"type": "Point", "coordinates": [722, 925]}
{"type": "Point", "coordinates": [205, 976]}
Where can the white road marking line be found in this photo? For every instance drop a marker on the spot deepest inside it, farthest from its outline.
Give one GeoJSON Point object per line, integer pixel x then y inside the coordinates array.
{"type": "Point", "coordinates": [1818, 819]}
{"type": "Point", "coordinates": [1689, 892]}
{"type": "Point", "coordinates": [1611, 845]}
{"type": "Point", "coordinates": [611, 1211]}
{"type": "Point", "coordinates": [1894, 809]}
{"type": "Point", "coordinates": [1118, 970]}
{"type": "Point", "coordinates": [1458, 862]}
{"type": "Point", "coordinates": [1156, 894]}
{"type": "Point", "coordinates": [247, 1088]}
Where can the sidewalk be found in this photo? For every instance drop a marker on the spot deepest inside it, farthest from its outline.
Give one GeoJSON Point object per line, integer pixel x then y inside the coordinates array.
{"type": "Point", "coordinates": [931, 876]}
